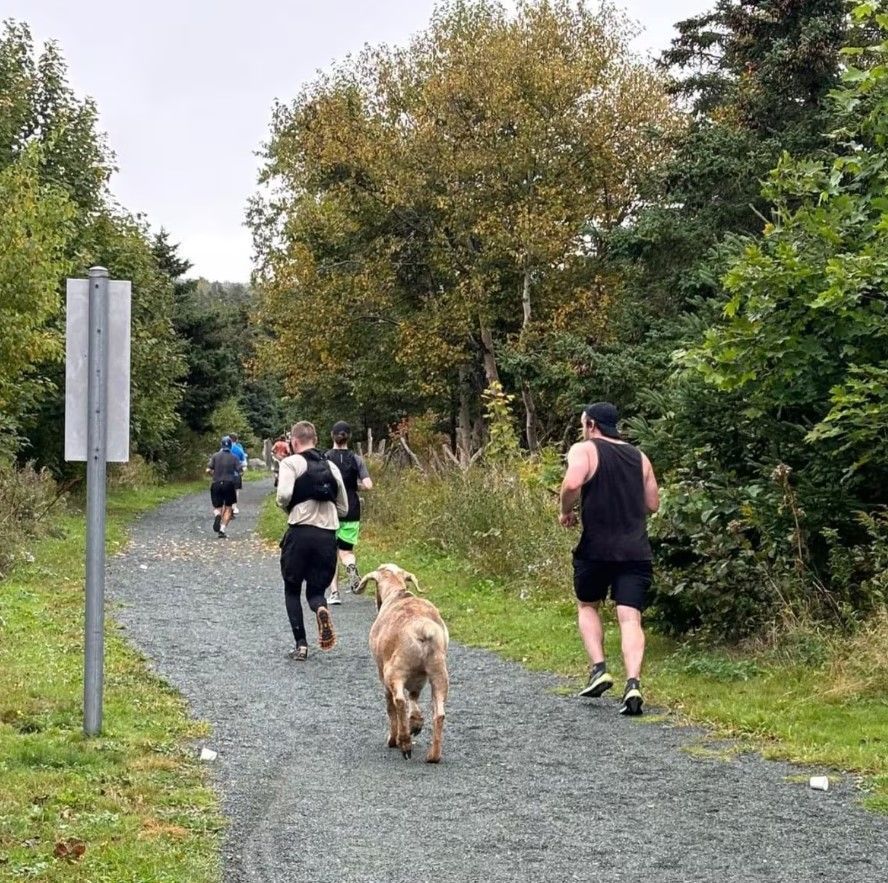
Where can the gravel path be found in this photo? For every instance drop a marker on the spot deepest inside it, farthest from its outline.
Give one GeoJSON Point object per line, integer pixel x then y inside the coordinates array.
{"type": "Point", "coordinates": [533, 785]}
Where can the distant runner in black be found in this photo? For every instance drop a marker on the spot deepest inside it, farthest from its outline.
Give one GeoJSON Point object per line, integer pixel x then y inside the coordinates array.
{"type": "Point", "coordinates": [225, 468]}
{"type": "Point", "coordinates": [616, 487]}
{"type": "Point", "coordinates": [355, 476]}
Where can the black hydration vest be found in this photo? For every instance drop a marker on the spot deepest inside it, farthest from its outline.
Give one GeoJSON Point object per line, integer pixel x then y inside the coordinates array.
{"type": "Point", "coordinates": [316, 483]}
{"type": "Point", "coordinates": [348, 467]}
{"type": "Point", "coordinates": [613, 509]}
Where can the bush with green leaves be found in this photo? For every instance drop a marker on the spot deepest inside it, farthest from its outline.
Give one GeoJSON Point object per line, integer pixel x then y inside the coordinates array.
{"type": "Point", "coordinates": [770, 433]}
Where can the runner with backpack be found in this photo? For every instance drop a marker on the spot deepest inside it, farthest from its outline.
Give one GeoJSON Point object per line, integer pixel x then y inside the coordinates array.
{"type": "Point", "coordinates": [354, 476]}
{"type": "Point", "coordinates": [311, 490]}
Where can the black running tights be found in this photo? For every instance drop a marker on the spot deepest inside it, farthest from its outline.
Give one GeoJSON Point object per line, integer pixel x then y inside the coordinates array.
{"type": "Point", "coordinates": [308, 554]}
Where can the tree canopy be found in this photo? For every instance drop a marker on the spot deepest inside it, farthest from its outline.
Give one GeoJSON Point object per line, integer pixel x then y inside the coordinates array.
{"type": "Point", "coordinates": [432, 207]}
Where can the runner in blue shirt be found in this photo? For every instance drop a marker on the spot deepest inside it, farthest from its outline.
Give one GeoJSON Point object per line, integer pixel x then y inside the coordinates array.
{"type": "Point", "coordinates": [238, 450]}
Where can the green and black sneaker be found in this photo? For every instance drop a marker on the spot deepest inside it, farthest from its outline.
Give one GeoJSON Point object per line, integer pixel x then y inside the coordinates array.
{"type": "Point", "coordinates": [599, 681]}
{"type": "Point", "coordinates": [632, 698]}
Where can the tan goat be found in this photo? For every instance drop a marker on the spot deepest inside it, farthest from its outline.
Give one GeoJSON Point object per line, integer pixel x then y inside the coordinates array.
{"type": "Point", "coordinates": [409, 641]}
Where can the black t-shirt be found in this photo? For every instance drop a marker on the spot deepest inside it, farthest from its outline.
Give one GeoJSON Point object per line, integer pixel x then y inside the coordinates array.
{"type": "Point", "coordinates": [352, 469]}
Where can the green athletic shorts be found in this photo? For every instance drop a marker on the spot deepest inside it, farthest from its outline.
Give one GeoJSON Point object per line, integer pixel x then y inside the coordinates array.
{"type": "Point", "coordinates": [347, 535]}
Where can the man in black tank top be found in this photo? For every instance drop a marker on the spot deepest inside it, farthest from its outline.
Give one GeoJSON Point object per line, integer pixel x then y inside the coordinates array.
{"type": "Point", "coordinates": [617, 489]}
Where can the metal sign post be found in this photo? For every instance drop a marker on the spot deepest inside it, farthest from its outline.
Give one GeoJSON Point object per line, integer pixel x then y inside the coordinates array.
{"type": "Point", "coordinates": [97, 349]}
{"type": "Point", "coordinates": [96, 442]}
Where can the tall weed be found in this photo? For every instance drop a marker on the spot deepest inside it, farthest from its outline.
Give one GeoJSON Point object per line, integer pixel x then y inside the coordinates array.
{"type": "Point", "coordinates": [28, 499]}
{"type": "Point", "coordinates": [490, 517]}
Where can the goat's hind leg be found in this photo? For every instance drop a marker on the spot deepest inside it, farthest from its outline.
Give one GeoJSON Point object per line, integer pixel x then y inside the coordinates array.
{"type": "Point", "coordinates": [440, 685]}
{"type": "Point", "coordinates": [392, 717]}
{"type": "Point", "coordinates": [416, 720]}
{"type": "Point", "coordinates": [402, 727]}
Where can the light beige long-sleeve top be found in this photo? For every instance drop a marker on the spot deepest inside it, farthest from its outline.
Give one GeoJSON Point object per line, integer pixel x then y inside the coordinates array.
{"type": "Point", "coordinates": [315, 513]}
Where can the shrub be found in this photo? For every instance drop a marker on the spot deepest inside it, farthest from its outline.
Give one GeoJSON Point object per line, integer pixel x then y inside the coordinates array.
{"type": "Point", "coordinates": [138, 472]}
{"type": "Point", "coordinates": [28, 499]}
{"type": "Point", "coordinates": [500, 524]}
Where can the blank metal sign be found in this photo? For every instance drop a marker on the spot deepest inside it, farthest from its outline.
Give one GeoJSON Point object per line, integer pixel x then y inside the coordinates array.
{"type": "Point", "coordinates": [77, 373]}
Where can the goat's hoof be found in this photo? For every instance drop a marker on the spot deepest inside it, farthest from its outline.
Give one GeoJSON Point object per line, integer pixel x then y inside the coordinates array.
{"type": "Point", "coordinates": [415, 728]}
{"type": "Point", "coordinates": [392, 742]}
{"type": "Point", "coordinates": [408, 753]}
{"type": "Point", "coordinates": [433, 758]}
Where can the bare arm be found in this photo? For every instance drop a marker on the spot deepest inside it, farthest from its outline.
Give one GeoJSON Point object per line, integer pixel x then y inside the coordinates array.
{"type": "Point", "coordinates": [364, 480]}
{"type": "Point", "coordinates": [651, 489]}
{"type": "Point", "coordinates": [580, 464]}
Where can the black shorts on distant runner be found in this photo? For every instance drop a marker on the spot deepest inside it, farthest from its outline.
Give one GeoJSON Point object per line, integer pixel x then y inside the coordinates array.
{"type": "Point", "coordinates": [628, 581]}
{"type": "Point", "coordinates": [223, 493]}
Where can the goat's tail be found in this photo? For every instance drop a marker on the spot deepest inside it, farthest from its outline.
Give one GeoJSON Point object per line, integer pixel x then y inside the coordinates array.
{"type": "Point", "coordinates": [431, 636]}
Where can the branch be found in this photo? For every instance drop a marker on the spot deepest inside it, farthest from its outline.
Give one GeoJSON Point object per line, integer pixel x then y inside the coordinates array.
{"type": "Point", "coordinates": [412, 456]}
{"type": "Point", "coordinates": [449, 453]}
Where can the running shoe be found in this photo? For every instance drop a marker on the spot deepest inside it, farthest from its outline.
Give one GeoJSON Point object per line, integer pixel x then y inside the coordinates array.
{"type": "Point", "coordinates": [299, 653]}
{"type": "Point", "coordinates": [326, 635]}
{"type": "Point", "coordinates": [599, 681]}
{"type": "Point", "coordinates": [632, 698]}
{"type": "Point", "coordinates": [217, 523]}
{"type": "Point", "coordinates": [334, 597]}
{"type": "Point", "coordinates": [222, 534]}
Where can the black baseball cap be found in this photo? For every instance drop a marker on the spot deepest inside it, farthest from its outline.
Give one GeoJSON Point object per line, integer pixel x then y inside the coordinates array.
{"type": "Point", "coordinates": [340, 427]}
{"type": "Point", "coordinates": [606, 417]}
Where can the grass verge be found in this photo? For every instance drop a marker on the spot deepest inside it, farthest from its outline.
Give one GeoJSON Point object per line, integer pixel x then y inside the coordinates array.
{"type": "Point", "coordinates": [131, 805]}
{"type": "Point", "coordinates": [778, 707]}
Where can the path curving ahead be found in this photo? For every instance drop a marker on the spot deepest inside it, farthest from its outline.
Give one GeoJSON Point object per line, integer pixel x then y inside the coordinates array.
{"type": "Point", "coordinates": [533, 786]}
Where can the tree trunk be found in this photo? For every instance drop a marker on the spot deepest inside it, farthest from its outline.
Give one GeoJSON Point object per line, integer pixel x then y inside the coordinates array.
{"type": "Point", "coordinates": [525, 299]}
{"type": "Point", "coordinates": [454, 415]}
{"type": "Point", "coordinates": [530, 424]}
{"type": "Point", "coordinates": [464, 424]}
{"type": "Point", "coordinates": [530, 412]}
{"type": "Point", "coordinates": [479, 434]}
{"type": "Point", "coordinates": [491, 372]}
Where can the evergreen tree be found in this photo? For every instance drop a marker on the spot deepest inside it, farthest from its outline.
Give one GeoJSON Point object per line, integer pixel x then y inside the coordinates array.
{"type": "Point", "coordinates": [755, 75]}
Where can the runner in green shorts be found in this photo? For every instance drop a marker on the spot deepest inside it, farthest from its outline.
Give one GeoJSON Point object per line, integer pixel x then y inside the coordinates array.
{"type": "Point", "coordinates": [355, 476]}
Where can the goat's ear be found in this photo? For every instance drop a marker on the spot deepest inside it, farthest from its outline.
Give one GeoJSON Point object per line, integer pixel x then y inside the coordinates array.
{"type": "Point", "coordinates": [411, 578]}
{"type": "Point", "coordinates": [366, 579]}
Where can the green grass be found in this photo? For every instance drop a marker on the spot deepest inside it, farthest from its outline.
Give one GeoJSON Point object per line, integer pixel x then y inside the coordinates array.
{"type": "Point", "coordinates": [135, 798]}
{"type": "Point", "coordinates": [775, 707]}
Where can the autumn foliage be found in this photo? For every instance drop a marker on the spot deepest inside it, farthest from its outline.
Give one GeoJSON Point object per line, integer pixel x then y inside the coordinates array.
{"type": "Point", "coordinates": [429, 213]}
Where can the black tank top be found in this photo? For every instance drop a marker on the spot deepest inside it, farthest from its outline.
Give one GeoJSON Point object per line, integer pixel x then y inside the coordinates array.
{"type": "Point", "coordinates": [348, 467]}
{"type": "Point", "coordinates": [614, 513]}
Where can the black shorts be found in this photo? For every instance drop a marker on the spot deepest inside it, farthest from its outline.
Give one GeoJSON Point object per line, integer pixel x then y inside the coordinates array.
{"type": "Point", "coordinates": [222, 493]}
{"type": "Point", "coordinates": [238, 482]}
{"type": "Point", "coordinates": [628, 581]}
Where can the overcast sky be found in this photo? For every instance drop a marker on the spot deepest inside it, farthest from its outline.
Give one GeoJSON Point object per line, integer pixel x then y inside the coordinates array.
{"type": "Point", "coordinates": [185, 90]}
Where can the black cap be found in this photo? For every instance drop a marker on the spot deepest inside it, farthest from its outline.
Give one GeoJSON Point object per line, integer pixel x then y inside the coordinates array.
{"type": "Point", "coordinates": [605, 416]}
{"type": "Point", "coordinates": [340, 427]}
